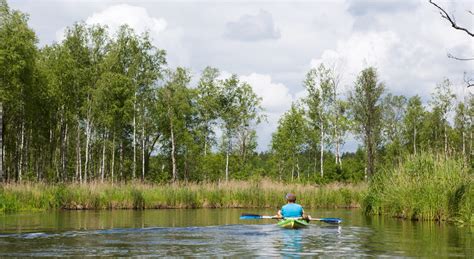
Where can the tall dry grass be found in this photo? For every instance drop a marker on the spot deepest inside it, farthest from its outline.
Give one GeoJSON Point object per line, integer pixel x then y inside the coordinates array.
{"type": "Point", "coordinates": [137, 195]}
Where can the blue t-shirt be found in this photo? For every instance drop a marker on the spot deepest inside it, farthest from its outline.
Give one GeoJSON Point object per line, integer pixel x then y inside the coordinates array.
{"type": "Point", "coordinates": [292, 210]}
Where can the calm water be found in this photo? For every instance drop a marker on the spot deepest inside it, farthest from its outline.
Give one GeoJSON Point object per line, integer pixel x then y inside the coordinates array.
{"type": "Point", "coordinates": [219, 232]}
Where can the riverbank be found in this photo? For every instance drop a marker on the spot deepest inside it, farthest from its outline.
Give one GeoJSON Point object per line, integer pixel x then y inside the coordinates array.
{"type": "Point", "coordinates": [425, 187]}
{"type": "Point", "coordinates": [137, 195]}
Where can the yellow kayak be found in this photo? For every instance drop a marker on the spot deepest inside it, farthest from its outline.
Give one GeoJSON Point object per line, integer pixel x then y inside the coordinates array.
{"type": "Point", "coordinates": [293, 223]}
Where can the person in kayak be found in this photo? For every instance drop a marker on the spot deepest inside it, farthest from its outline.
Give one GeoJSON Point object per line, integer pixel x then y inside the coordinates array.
{"type": "Point", "coordinates": [292, 209]}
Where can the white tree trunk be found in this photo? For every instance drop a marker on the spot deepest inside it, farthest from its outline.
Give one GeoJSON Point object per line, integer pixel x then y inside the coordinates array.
{"type": "Point", "coordinates": [297, 169]}
{"type": "Point", "coordinates": [445, 142]}
{"type": "Point", "coordinates": [88, 138]}
{"type": "Point", "coordinates": [134, 165]}
{"type": "Point", "coordinates": [470, 145]}
{"type": "Point", "coordinates": [28, 137]}
{"type": "Point", "coordinates": [464, 155]}
{"type": "Point", "coordinates": [337, 151]}
{"type": "Point", "coordinates": [227, 162]}
{"type": "Point", "coordinates": [292, 172]}
{"type": "Point", "coordinates": [143, 151]}
{"type": "Point", "coordinates": [79, 160]}
{"type": "Point", "coordinates": [22, 143]}
{"type": "Point", "coordinates": [414, 141]}
{"type": "Point", "coordinates": [102, 166]}
{"type": "Point", "coordinates": [63, 149]}
{"type": "Point", "coordinates": [66, 158]}
{"type": "Point", "coordinates": [322, 151]}
{"type": "Point", "coordinates": [205, 139]}
{"type": "Point", "coordinates": [336, 129]}
{"type": "Point", "coordinates": [173, 150]}
{"type": "Point", "coordinates": [121, 160]}
{"type": "Point", "coordinates": [113, 158]}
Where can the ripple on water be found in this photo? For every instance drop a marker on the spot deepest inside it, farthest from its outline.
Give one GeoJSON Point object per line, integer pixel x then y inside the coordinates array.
{"type": "Point", "coordinates": [258, 240]}
{"type": "Point", "coordinates": [227, 240]}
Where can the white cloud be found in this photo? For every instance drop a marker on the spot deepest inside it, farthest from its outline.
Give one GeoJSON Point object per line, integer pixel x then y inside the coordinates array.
{"type": "Point", "coordinates": [407, 42]}
{"type": "Point", "coordinates": [276, 97]}
{"type": "Point", "coordinates": [253, 27]}
{"type": "Point", "coordinates": [361, 50]}
{"type": "Point", "coordinates": [276, 100]}
{"type": "Point", "coordinates": [136, 17]}
{"type": "Point", "coordinates": [118, 15]}
{"type": "Point", "coordinates": [365, 7]}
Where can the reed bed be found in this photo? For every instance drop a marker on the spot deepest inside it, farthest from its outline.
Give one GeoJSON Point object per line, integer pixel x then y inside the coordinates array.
{"type": "Point", "coordinates": [137, 195]}
{"type": "Point", "coordinates": [425, 187]}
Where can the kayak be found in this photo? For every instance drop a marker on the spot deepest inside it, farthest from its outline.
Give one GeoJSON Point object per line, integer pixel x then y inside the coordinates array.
{"type": "Point", "coordinates": [292, 223]}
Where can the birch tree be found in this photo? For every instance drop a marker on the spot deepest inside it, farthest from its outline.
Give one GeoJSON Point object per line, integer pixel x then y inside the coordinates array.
{"type": "Point", "coordinates": [18, 54]}
{"type": "Point", "coordinates": [442, 100]}
{"type": "Point", "coordinates": [463, 127]}
{"type": "Point", "coordinates": [240, 111]}
{"type": "Point", "coordinates": [289, 140]}
{"type": "Point", "coordinates": [393, 114]}
{"type": "Point", "coordinates": [413, 122]}
{"type": "Point", "coordinates": [174, 107]}
{"type": "Point", "coordinates": [365, 101]}
{"type": "Point", "coordinates": [321, 86]}
{"type": "Point", "coordinates": [208, 105]}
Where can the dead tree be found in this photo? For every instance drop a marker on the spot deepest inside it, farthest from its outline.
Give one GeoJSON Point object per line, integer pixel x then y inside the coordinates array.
{"type": "Point", "coordinates": [450, 18]}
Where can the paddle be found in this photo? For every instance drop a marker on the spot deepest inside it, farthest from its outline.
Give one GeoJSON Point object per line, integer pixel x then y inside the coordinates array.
{"type": "Point", "coordinates": [328, 220]}
{"type": "Point", "coordinates": [255, 216]}
{"type": "Point", "coordinates": [325, 220]}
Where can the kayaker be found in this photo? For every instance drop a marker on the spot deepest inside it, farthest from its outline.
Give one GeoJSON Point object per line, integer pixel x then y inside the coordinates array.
{"type": "Point", "coordinates": [292, 209]}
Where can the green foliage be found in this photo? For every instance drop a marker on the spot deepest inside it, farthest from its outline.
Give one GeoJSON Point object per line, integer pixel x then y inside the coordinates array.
{"type": "Point", "coordinates": [240, 111]}
{"type": "Point", "coordinates": [413, 123]}
{"type": "Point", "coordinates": [394, 109]}
{"type": "Point", "coordinates": [367, 112]}
{"type": "Point", "coordinates": [208, 106]}
{"type": "Point", "coordinates": [288, 142]}
{"type": "Point", "coordinates": [232, 194]}
{"type": "Point", "coordinates": [423, 187]}
{"type": "Point", "coordinates": [103, 107]}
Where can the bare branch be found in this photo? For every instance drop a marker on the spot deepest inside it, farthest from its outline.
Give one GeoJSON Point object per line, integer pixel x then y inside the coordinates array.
{"type": "Point", "coordinates": [468, 80]}
{"type": "Point", "coordinates": [446, 16]}
{"type": "Point", "coordinates": [461, 59]}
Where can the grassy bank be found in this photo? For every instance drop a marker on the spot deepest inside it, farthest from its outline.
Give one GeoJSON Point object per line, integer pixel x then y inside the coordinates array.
{"type": "Point", "coordinates": [424, 188]}
{"type": "Point", "coordinates": [235, 194]}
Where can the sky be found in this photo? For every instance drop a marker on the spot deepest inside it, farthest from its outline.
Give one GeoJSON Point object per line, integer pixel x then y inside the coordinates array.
{"type": "Point", "coordinates": [272, 44]}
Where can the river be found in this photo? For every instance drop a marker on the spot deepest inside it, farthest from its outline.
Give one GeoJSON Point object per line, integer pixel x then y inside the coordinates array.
{"type": "Point", "coordinates": [219, 232]}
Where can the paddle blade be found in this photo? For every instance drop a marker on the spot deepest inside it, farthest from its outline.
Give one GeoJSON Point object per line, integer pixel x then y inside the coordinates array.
{"type": "Point", "coordinates": [250, 216]}
{"type": "Point", "coordinates": [256, 216]}
{"type": "Point", "coordinates": [331, 220]}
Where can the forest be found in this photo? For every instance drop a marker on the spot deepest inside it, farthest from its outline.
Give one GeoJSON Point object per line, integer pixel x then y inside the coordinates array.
{"type": "Point", "coordinates": [101, 106]}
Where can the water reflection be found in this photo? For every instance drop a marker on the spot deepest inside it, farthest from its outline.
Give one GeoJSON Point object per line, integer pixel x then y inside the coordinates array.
{"type": "Point", "coordinates": [221, 233]}
{"type": "Point", "coordinates": [291, 242]}
{"type": "Point", "coordinates": [308, 241]}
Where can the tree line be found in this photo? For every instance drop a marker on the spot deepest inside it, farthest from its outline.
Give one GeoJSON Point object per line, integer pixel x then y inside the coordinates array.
{"type": "Point", "coordinates": [99, 106]}
{"type": "Point", "coordinates": [390, 127]}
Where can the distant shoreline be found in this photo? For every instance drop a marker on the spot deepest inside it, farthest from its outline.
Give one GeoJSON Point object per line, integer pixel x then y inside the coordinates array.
{"type": "Point", "coordinates": [137, 195]}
